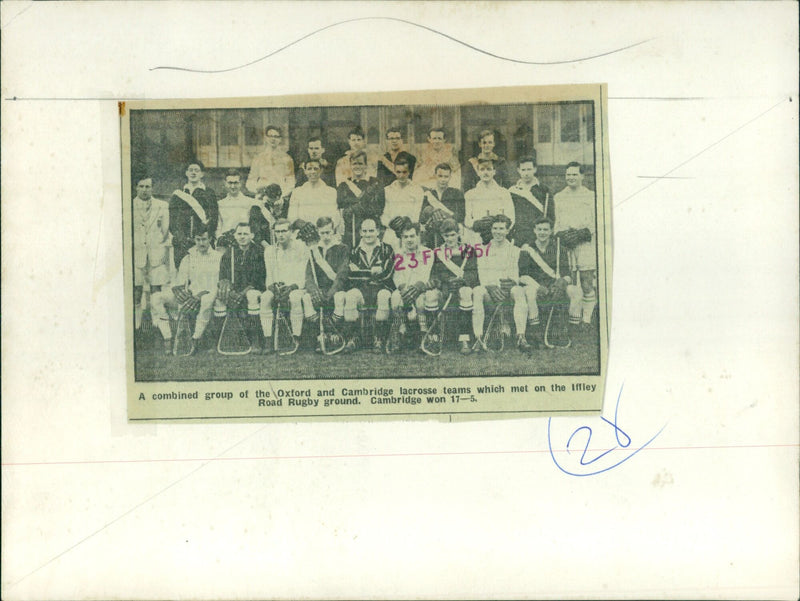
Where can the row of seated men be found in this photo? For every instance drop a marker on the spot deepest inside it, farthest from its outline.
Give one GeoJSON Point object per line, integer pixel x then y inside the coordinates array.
{"type": "Point", "coordinates": [305, 267]}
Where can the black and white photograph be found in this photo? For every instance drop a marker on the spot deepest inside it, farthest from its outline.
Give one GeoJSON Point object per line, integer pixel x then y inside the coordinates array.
{"type": "Point", "coordinates": [392, 237]}
{"type": "Point", "coordinates": [365, 241]}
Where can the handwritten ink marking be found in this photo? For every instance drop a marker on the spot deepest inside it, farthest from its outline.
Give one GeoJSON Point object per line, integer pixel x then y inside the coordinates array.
{"type": "Point", "coordinates": [622, 438]}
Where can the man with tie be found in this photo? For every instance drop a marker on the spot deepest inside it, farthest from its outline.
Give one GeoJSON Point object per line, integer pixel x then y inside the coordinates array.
{"type": "Point", "coordinates": [315, 151]}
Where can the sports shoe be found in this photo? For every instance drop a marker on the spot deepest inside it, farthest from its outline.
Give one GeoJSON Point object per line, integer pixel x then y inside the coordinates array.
{"type": "Point", "coordinates": [350, 346]}
{"type": "Point", "coordinates": [168, 346]}
{"type": "Point", "coordinates": [466, 349]}
{"type": "Point", "coordinates": [377, 346]}
{"type": "Point", "coordinates": [523, 345]}
{"type": "Point", "coordinates": [480, 346]}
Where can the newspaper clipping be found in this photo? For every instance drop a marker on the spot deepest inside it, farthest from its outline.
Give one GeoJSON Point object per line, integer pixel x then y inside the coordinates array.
{"type": "Point", "coordinates": [397, 255]}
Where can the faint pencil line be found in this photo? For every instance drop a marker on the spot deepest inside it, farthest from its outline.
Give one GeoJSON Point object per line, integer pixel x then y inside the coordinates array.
{"type": "Point", "coordinates": [407, 22]}
{"type": "Point", "coordinates": [707, 148]}
{"type": "Point", "coordinates": [134, 508]}
{"type": "Point", "coordinates": [375, 455]}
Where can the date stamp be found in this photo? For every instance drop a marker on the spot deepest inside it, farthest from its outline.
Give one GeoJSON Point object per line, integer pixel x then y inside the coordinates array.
{"type": "Point", "coordinates": [403, 261]}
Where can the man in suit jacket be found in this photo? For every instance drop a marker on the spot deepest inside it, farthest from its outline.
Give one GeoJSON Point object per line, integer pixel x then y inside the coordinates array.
{"type": "Point", "coordinates": [151, 243]}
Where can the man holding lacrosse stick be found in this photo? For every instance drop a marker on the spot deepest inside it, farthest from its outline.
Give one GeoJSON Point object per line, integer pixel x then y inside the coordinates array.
{"type": "Point", "coordinates": [455, 271]}
{"type": "Point", "coordinates": [241, 281]}
{"type": "Point", "coordinates": [575, 225]}
{"type": "Point", "coordinates": [286, 262]}
{"type": "Point", "coordinates": [370, 285]}
{"type": "Point", "coordinates": [498, 274]}
{"type": "Point", "coordinates": [195, 292]}
{"type": "Point", "coordinates": [410, 299]}
{"type": "Point", "coordinates": [325, 273]}
{"type": "Point", "coordinates": [545, 271]}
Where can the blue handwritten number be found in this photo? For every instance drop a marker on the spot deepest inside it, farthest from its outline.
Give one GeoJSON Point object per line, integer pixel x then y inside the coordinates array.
{"type": "Point", "coordinates": [618, 432]}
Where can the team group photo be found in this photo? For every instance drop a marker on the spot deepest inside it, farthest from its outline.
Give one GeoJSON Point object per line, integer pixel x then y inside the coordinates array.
{"type": "Point", "coordinates": [364, 242]}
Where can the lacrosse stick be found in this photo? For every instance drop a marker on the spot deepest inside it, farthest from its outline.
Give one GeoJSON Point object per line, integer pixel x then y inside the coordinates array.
{"type": "Point", "coordinates": [330, 340]}
{"type": "Point", "coordinates": [555, 331]}
{"type": "Point", "coordinates": [433, 341]}
{"type": "Point", "coordinates": [233, 339]}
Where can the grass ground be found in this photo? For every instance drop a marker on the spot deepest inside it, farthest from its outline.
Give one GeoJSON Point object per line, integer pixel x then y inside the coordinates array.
{"type": "Point", "coordinates": [582, 357]}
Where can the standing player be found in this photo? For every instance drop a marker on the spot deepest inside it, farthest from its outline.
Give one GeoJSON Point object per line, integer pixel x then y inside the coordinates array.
{"type": "Point", "coordinates": [575, 223]}
{"type": "Point", "coordinates": [315, 150]}
{"type": "Point", "coordinates": [188, 208]}
{"type": "Point", "coordinates": [456, 272]}
{"type": "Point", "coordinates": [150, 244]}
{"type": "Point", "coordinates": [241, 280]}
{"type": "Point", "coordinates": [359, 198]}
{"type": "Point", "coordinates": [403, 199]}
{"type": "Point", "coordinates": [233, 209]}
{"type": "Point", "coordinates": [547, 274]}
{"type": "Point", "coordinates": [442, 197]}
{"type": "Point", "coordinates": [344, 169]}
{"type": "Point", "coordinates": [195, 289]}
{"type": "Point", "coordinates": [314, 199]}
{"type": "Point", "coordinates": [498, 274]}
{"type": "Point", "coordinates": [273, 165]}
{"type": "Point", "coordinates": [286, 262]}
{"type": "Point", "coordinates": [470, 175]}
{"type": "Point", "coordinates": [268, 208]}
{"type": "Point", "coordinates": [387, 162]}
{"type": "Point", "coordinates": [487, 197]}
{"type": "Point", "coordinates": [369, 282]}
{"type": "Point", "coordinates": [532, 200]}
{"type": "Point", "coordinates": [412, 276]}
{"type": "Point", "coordinates": [434, 154]}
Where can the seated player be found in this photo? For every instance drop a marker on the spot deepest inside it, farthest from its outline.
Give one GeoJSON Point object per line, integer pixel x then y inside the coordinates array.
{"type": "Point", "coordinates": [498, 276]}
{"type": "Point", "coordinates": [403, 199]}
{"type": "Point", "coordinates": [268, 208]}
{"type": "Point", "coordinates": [314, 199]}
{"type": "Point", "coordinates": [411, 276]}
{"type": "Point", "coordinates": [487, 198]}
{"type": "Point", "coordinates": [445, 198]}
{"type": "Point", "coordinates": [195, 289]}
{"type": "Point", "coordinates": [369, 284]}
{"type": "Point", "coordinates": [547, 279]}
{"type": "Point", "coordinates": [456, 273]}
{"type": "Point", "coordinates": [329, 259]}
{"type": "Point", "coordinates": [151, 245]}
{"type": "Point", "coordinates": [241, 281]}
{"type": "Point", "coordinates": [286, 262]}
{"type": "Point", "coordinates": [358, 197]}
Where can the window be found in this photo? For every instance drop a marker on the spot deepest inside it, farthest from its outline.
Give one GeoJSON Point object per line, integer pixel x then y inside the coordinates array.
{"type": "Point", "coordinates": [570, 123]}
